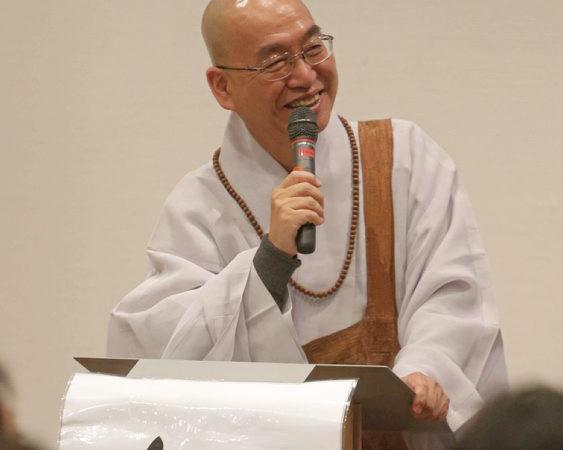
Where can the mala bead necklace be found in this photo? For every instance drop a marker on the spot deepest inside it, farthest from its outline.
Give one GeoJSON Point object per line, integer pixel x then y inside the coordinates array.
{"type": "Point", "coordinates": [353, 222]}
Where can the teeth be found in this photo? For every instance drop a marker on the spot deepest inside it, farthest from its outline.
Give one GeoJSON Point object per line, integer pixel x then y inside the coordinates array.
{"type": "Point", "coordinates": [306, 101]}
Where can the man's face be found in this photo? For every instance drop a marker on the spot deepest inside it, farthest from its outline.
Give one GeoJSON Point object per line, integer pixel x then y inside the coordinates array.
{"type": "Point", "coordinates": [265, 106]}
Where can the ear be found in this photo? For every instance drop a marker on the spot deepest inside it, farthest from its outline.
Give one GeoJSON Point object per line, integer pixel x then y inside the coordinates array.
{"type": "Point", "coordinates": [220, 87]}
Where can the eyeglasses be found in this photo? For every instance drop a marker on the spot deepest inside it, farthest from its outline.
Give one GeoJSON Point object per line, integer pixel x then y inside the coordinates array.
{"type": "Point", "coordinates": [279, 67]}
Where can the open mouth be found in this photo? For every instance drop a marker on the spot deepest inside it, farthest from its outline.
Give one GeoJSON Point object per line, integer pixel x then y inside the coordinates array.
{"type": "Point", "coordinates": [308, 102]}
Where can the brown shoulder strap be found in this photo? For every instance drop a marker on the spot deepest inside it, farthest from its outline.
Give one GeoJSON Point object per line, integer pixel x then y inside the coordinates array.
{"type": "Point", "coordinates": [376, 146]}
{"type": "Point", "coordinates": [373, 340]}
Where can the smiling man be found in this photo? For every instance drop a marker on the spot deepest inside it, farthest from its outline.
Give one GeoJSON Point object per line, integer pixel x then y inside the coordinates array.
{"type": "Point", "coordinates": [264, 106]}
{"type": "Point", "coordinates": [399, 276]}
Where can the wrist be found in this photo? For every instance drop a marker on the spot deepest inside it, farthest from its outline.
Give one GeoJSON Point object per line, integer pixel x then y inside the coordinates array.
{"type": "Point", "coordinates": [288, 249]}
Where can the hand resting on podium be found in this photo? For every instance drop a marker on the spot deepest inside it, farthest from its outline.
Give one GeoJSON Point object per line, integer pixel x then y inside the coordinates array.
{"type": "Point", "coordinates": [430, 401]}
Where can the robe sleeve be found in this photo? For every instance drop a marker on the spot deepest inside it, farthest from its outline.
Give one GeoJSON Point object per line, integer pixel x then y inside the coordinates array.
{"type": "Point", "coordinates": [195, 304]}
{"type": "Point", "coordinates": [448, 326]}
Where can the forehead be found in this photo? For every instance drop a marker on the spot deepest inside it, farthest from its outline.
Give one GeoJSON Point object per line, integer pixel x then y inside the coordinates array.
{"type": "Point", "coordinates": [279, 25]}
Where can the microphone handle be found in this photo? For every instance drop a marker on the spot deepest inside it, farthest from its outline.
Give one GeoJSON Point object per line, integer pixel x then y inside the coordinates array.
{"type": "Point", "coordinates": [306, 236]}
{"type": "Point", "coordinates": [306, 239]}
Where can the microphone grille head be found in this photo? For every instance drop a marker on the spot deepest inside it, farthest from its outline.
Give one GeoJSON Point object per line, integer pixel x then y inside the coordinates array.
{"type": "Point", "coordinates": [303, 123]}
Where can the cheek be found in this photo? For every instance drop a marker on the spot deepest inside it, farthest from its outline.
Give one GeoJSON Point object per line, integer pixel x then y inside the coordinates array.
{"type": "Point", "coordinates": [333, 85]}
{"type": "Point", "coordinates": [268, 109]}
{"type": "Point", "coordinates": [265, 101]}
{"type": "Point", "coordinates": [323, 120]}
{"type": "Point", "coordinates": [329, 76]}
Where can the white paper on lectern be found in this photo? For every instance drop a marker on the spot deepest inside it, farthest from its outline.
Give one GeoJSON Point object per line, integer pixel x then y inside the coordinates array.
{"type": "Point", "coordinates": [106, 412]}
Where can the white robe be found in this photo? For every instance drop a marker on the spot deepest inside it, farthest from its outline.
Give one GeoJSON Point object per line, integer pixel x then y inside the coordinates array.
{"type": "Point", "coordinates": [204, 300]}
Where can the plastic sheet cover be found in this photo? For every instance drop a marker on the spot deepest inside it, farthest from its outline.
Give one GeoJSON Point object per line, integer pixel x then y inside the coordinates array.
{"type": "Point", "coordinates": [105, 412]}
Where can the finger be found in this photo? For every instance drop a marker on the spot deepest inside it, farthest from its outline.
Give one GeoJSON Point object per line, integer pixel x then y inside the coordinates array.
{"type": "Point", "coordinates": [413, 379]}
{"type": "Point", "coordinates": [303, 190]}
{"type": "Point", "coordinates": [297, 203]}
{"type": "Point", "coordinates": [439, 402]}
{"type": "Point", "coordinates": [420, 398]}
{"type": "Point", "coordinates": [308, 216]}
{"type": "Point", "coordinates": [444, 408]}
{"type": "Point", "coordinates": [434, 399]}
{"type": "Point", "coordinates": [283, 203]}
{"type": "Point", "coordinates": [300, 176]}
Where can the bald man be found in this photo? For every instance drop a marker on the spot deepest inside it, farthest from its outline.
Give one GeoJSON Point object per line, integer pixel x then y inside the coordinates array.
{"type": "Point", "coordinates": [218, 291]}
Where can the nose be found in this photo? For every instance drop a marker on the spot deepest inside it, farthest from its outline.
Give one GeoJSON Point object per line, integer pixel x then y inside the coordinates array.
{"type": "Point", "coordinates": [303, 74]}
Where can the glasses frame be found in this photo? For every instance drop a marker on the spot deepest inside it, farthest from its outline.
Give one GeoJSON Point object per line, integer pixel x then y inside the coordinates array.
{"type": "Point", "coordinates": [291, 60]}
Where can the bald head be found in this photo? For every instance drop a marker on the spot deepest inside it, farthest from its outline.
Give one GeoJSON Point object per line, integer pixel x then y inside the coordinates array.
{"type": "Point", "coordinates": [224, 22]}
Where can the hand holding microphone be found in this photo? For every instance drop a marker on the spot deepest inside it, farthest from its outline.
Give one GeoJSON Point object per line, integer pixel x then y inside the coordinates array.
{"type": "Point", "coordinates": [297, 203]}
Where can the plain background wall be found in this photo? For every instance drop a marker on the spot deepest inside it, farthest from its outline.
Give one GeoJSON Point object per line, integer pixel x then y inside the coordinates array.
{"type": "Point", "coordinates": [104, 106]}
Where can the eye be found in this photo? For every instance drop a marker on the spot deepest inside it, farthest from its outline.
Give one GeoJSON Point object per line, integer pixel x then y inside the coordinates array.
{"type": "Point", "coordinates": [314, 50]}
{"type": "Point", "coordinates": [275, 64]}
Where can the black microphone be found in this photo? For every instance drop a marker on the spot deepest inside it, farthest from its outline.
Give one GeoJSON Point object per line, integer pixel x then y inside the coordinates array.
{"type": "Point", "coordinates": [303, 131]}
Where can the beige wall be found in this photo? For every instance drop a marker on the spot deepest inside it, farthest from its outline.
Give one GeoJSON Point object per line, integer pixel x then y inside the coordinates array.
{"type": "Point", "coordinates": [104, 106]}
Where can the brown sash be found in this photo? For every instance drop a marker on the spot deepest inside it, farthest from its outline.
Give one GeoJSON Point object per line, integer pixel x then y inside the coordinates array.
{"type": "Point", "coordinates": [374, 339]}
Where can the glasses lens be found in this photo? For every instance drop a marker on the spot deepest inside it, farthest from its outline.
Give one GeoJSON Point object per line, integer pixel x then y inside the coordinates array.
{"type": "Point", "coordinates": [277, 68]}
{"type": "Point", "coordinates": [318, 51]}
{"type": "Point", "coordinates": [315, 52]}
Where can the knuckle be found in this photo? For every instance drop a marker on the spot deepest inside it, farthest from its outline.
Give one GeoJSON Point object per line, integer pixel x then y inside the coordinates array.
{"type": "Point", "coordinates": [291, 179]}
{"type": "Point", "coordinates": [301, 175]}
{"type": "Point", "coordinates": [314, 218]}
{"type": "Point", "coordinates": [311, 214]}
{"type": "Point", "coordinates": [306, 188]}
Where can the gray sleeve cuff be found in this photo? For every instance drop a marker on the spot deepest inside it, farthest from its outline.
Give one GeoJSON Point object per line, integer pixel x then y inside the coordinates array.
{"type": "Point", "coordinates": [274, 267]}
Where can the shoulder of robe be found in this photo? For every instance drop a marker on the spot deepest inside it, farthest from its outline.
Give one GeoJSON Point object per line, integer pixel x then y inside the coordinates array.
{"type": "Point", "coordinates": [196, 206]}
{"type": "Point", "coordinates": [193, 218]}
{"type": "Point", "coordinates": [414, 149]}
{"type": "Point", "coordinates": [198, 191]}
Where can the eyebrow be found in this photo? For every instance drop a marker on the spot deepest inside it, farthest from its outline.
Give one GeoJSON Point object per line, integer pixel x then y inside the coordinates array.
{"type": "Point", "coordinates": [267, 50]}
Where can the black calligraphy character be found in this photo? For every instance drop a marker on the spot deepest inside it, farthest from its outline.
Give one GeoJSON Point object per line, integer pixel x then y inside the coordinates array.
{"type": "Point", "coordinates": [157, 444]}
